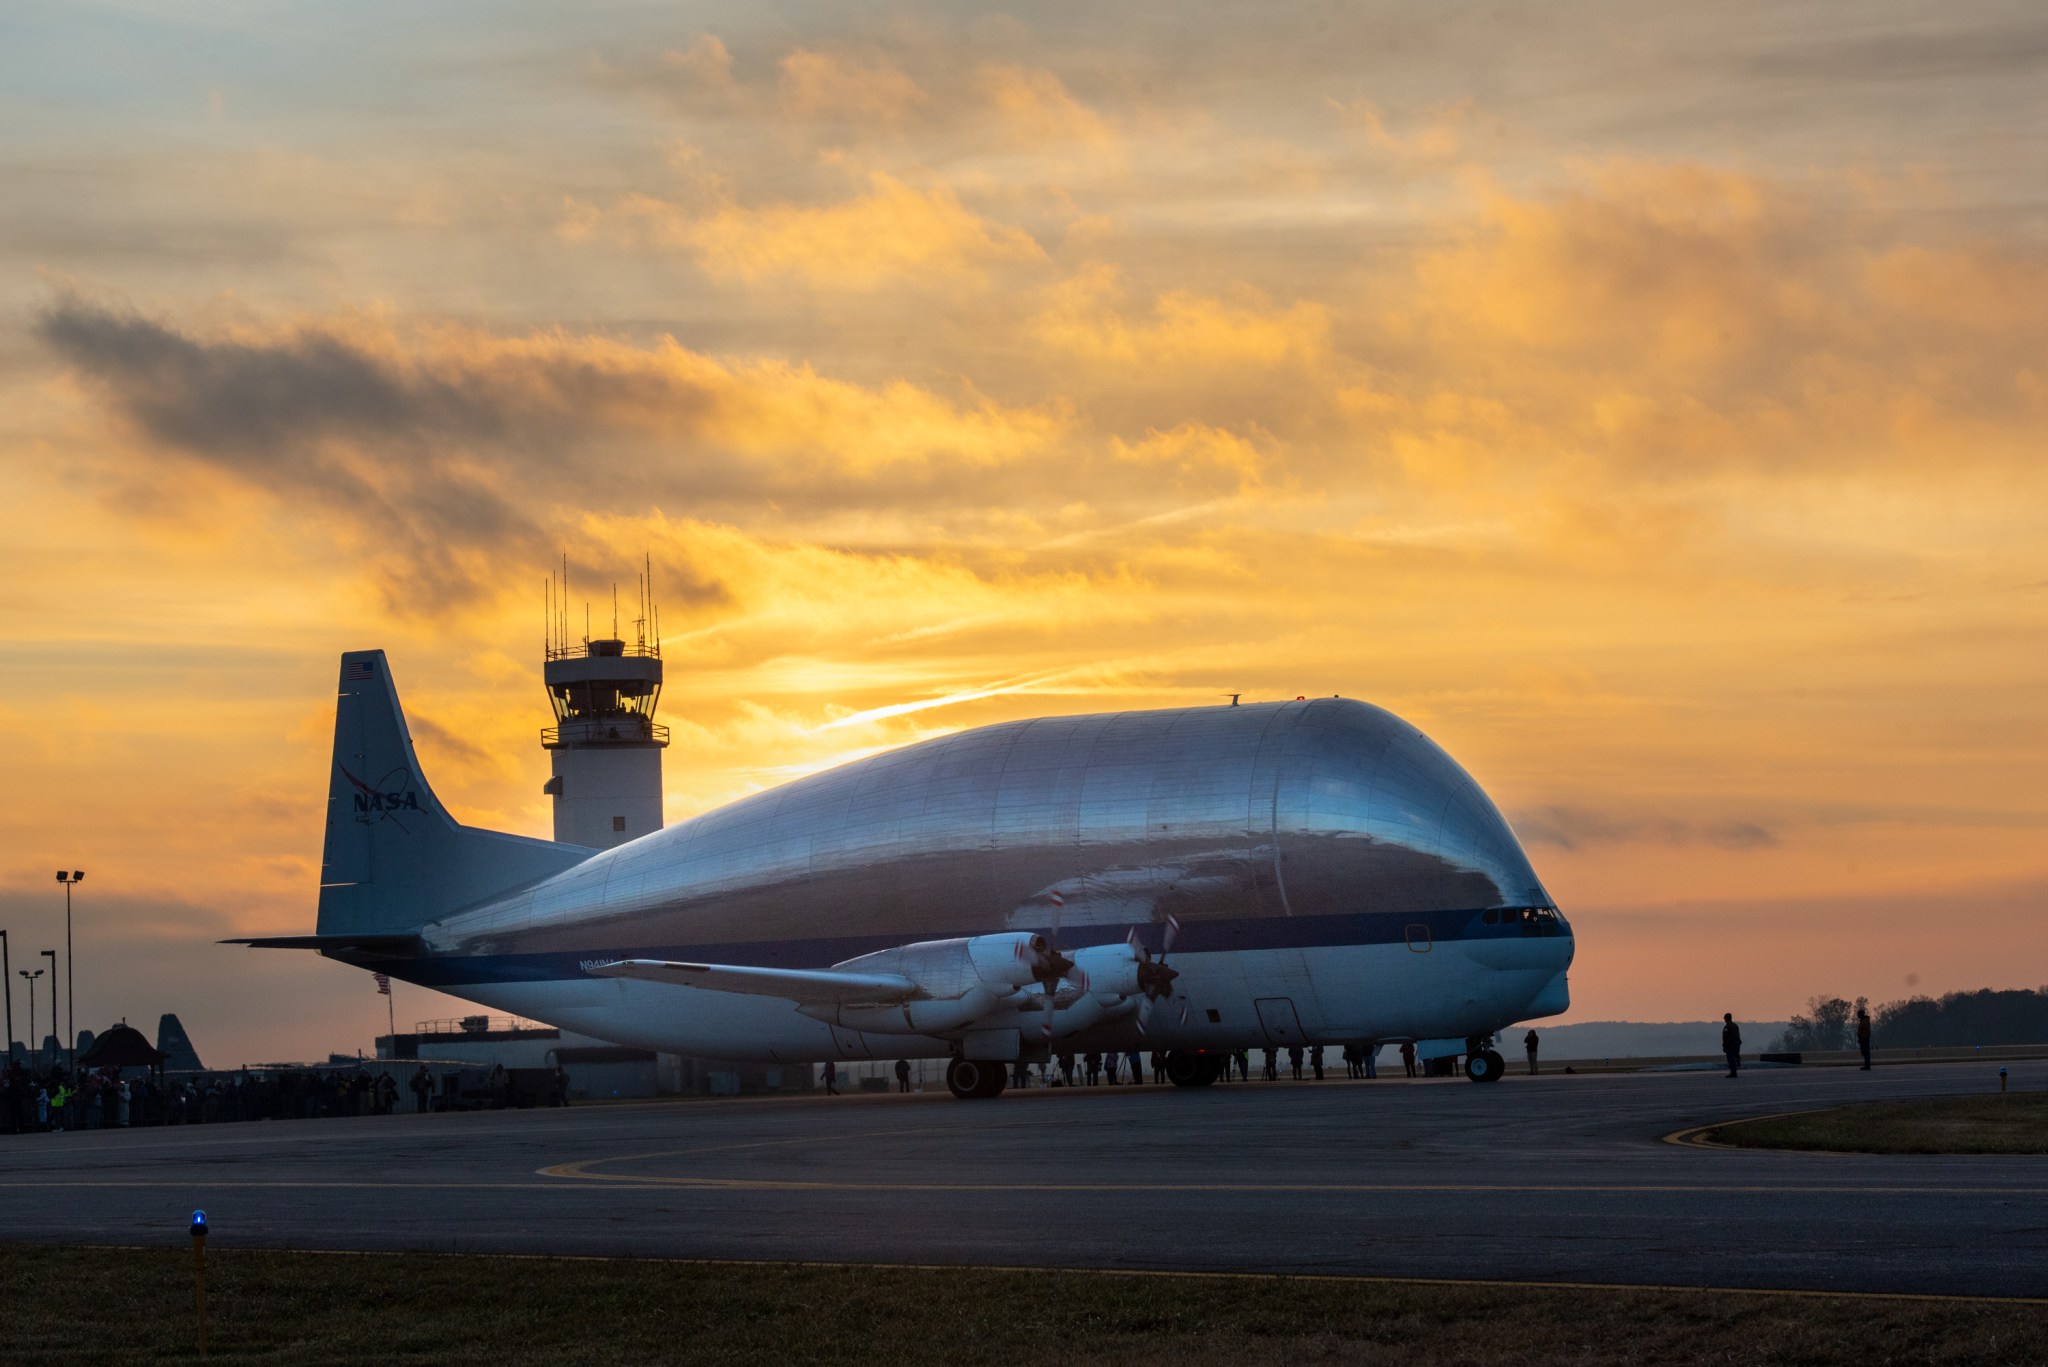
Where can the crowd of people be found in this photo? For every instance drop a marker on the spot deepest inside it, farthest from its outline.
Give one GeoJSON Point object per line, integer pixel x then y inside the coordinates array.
{"type": "Point", "coordinates": [104, 1099]}
{"type": "Point", "coordinates": [1113, 1069]}
{"type": "Point", "coordinates": [52, 1099]}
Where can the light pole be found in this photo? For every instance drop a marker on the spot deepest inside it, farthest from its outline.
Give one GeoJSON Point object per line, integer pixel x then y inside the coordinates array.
{"type": "Point", "coordinates": [31, 1012]}
{"type": "Point", "coordinates": [51, 955]}
{"type": "Point", "coordinates": [7, 981]}
{"type": "Point", "coordinates": [70, 983]}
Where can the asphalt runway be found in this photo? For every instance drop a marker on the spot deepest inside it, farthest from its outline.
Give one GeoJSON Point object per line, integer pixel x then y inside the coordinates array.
{"type": "Point", "coordinates": [1551, 1179]}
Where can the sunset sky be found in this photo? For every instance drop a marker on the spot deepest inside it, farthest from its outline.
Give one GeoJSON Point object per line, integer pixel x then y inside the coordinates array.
{"type": "Point", "coordinates": [1646, 401]}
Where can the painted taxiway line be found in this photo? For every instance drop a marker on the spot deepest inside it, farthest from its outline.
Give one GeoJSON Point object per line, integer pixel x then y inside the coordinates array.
{"type": "Point", "coordinates": [561, 1180]}
{"type": "Point", "coordinates": [1699, 1137]}
{"type": "Point", "coordinates": [581, 1172]}
{"type": "Point", "coordinates": [1154, 1273]}
{"type": "Point", "coordinates": [232, 1184]}
{"type": "Point", "coordinates": [1695, 1137]}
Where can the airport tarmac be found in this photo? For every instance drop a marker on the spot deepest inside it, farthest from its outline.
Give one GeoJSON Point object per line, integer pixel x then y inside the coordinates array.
{"type": "Point", "coordinates": [1551, 1179]}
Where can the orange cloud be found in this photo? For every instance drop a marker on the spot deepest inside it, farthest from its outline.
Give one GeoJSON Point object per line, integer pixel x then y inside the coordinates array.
{"type": "Point", "coordinates": [1198, 450]}
{"type": "Point", "coordinates": [893, 233]}
{"type": "Point", "coordinates": [1035, 107]}
{"type": "Point", "coordinates": [1436, 142]}
{"type": "Point", "coordinates": [870, 88]}
{"type": "Point", "coordinates": [1185, 330]}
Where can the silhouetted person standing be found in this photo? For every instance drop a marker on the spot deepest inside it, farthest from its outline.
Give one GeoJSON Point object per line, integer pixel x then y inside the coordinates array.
{"type": "Point", "coordinates": [902, 1074]}
{"type": "Point", "coordinates": [1731, 1042]}
{"type": "Point", "coordinates": [1529, 1044]}
{"type": "Point", "coordinates": [1863, 1036]}
{"type": "Point", "coordinates": [831, 1078]}
{"type": "Point", "coordinates": [1408, 1056]}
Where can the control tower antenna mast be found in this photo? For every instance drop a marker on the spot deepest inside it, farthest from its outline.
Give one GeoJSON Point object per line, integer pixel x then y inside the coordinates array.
{"type": "Point", "coordinates": [605, 746]}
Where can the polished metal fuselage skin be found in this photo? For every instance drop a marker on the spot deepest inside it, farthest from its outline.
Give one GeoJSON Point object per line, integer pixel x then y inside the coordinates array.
{"type": "Point", "coordinates": [1321, 856]}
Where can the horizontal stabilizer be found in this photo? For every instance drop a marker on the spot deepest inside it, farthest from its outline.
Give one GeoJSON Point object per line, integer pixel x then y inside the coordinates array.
{"type": "Point", "coordinates": [383, 946]}
{"type": "Point", "coordinates": [794, 984]}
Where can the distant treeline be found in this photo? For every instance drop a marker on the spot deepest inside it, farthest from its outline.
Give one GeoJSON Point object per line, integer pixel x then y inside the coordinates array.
{"type": "Point", "coordinates": [1958, 1019]}
{"type": "Point", "coordinates": [1983, 1017]}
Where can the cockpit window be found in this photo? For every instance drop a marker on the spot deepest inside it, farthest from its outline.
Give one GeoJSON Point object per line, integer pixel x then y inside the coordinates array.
{"type": "Point", "coordinates": [1532, 920]}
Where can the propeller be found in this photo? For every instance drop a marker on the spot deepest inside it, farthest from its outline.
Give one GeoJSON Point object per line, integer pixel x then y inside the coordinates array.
{"type": "Point", "coordinates": [1052, 966]}
{"type": "Point", "coordinates": [1155, 979]}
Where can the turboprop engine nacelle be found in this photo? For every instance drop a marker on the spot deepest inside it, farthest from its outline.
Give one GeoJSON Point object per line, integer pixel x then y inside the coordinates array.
{"type": "Point", "coordinates": [962, 981]}
{"type": "Point", "coordinates": [1106, 970]}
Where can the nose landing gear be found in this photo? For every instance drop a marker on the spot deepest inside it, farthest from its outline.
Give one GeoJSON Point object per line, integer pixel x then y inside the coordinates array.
{"type": "Point", "coordinates": [1484, 1065]}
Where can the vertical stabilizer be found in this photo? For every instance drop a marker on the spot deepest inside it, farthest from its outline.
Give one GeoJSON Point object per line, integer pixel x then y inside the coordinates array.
{"type": "Point", "coordinates": [394, 858]}
{"type": "Point", "coordinates": [176, 1045]}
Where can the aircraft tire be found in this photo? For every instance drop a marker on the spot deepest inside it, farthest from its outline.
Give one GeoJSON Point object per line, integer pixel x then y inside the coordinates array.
{"type": "Point", "coordinates": [1184, 1069]}
{"type": "Point", "coordinates": [1485, 1066]}
{"type": "Point", "coordinates": [974, 1079]}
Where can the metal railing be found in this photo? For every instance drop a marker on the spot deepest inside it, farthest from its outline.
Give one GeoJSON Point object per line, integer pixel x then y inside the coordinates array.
{"type": "Point", "coordinates": [605, 732]}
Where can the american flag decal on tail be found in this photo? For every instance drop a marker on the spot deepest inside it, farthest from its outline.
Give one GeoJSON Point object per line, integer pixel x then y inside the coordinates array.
{"type": "Point", "coordinates": [358, 671]}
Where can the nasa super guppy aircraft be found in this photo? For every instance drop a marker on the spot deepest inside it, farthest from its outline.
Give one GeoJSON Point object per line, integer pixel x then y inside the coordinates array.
{"type": "Point", "coordinates": [1188, 881]}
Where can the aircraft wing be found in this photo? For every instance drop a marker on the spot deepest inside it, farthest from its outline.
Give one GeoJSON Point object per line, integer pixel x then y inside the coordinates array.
{"type": "Point", "coordinates": [794, 984]}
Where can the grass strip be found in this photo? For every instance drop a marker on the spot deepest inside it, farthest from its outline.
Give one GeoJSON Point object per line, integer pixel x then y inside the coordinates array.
{"type": "Point", "coordinates": [88, 1305]}
{"type": "Point", "coordinates": [2003, 1122]}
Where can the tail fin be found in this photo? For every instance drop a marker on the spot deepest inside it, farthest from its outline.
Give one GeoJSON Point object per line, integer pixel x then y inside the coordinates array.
{"type": "Point", "coordinates": [395, 860]}
{"type": "Point", "coordinates": [171, 1040]}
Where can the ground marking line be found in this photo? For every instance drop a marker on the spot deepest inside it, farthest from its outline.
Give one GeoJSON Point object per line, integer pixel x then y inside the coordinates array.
{"type": "Point", "coordinates": [577, 1167]}
{"type": "Point", "coordinates": [1696, 1136]}
{"type": "Point", "coordinates": [623, 1182]}
{"type": "Point", "coordinates": [184, 1183]}
{"type": "Point", "coordinates": [1341, 1278]}
{"type": "Point", "coordinates": [579, 1172]}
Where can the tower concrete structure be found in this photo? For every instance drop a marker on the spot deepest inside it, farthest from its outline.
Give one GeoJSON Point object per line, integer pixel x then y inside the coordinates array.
{"type": "Point", "coordinates": [605, 744]}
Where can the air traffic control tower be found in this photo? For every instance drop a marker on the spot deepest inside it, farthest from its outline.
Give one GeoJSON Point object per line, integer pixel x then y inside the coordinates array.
{"type": "Point", "coordinates": [605, 744]}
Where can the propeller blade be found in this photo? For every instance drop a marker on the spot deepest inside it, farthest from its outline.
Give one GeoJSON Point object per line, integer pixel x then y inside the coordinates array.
{"type": "Point", "coordinates": [1172, 933]}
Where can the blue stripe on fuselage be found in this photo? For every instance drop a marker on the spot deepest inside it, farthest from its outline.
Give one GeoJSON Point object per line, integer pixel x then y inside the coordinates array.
{"type": "Point", "coordinates": [1196, 937]}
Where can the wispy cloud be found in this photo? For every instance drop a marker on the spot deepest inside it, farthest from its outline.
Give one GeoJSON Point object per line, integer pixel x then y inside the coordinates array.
{"type": "Point", "coordinates": [1571, 828]}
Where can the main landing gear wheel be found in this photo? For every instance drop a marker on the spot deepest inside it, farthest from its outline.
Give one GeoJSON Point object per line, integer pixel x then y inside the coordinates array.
{"type": "Point", "coordinates": [1184, 1069]}
{"type": "Point", "coordinates": [976, 1079]}
{"type": "Point", "coordinates": [1485, 1066]}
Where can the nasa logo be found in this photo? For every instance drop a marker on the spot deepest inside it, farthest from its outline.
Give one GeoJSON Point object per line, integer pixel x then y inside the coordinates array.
{"type": "Point", "coordinates": [389, 796]}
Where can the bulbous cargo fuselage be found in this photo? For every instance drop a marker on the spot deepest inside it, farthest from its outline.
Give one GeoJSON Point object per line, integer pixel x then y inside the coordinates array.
{"type": "Point", "coordinates": [1336, 876]}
